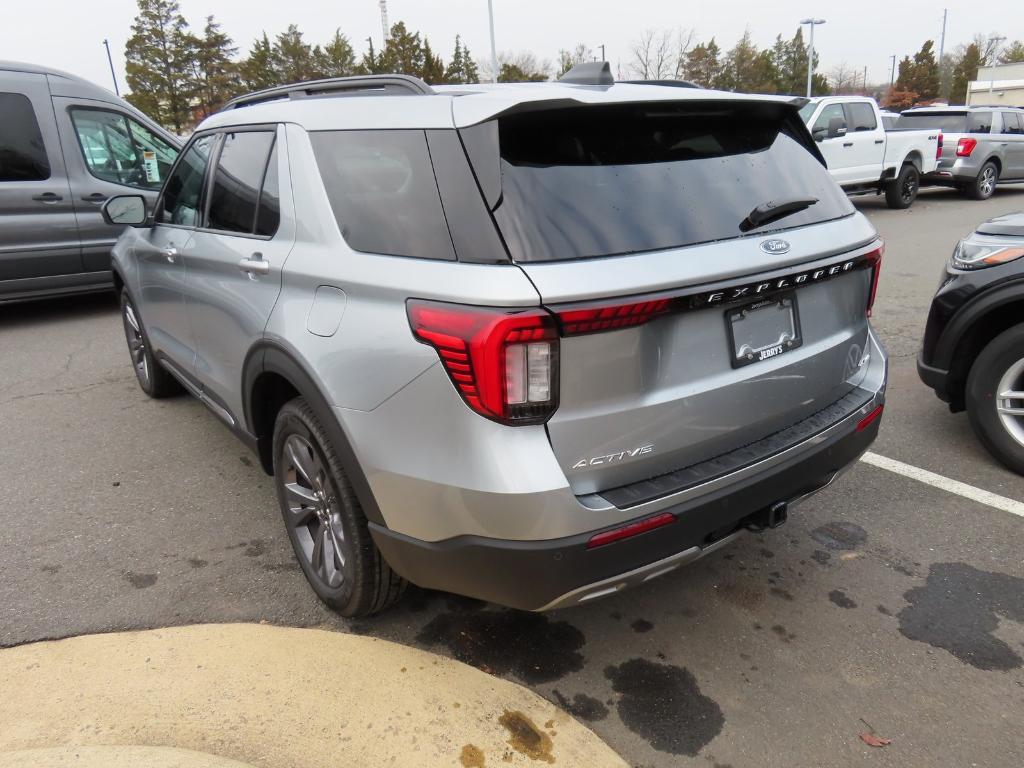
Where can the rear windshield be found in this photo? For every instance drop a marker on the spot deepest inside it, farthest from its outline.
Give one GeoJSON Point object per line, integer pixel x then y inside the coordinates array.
{"type": "Point", "coordinates": [950, 122]}
{"type": "Point", "coordinates": [609, 180]}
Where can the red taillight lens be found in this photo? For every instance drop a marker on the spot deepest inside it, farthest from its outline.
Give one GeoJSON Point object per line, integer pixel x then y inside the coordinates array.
{"type": "Point", "coordinates": [576, 322]}
{"type": "Point", "coordinates": [633, 529]}
{"type": "Point", "coordinates": [938, 147]}
{"type": "Point", "coordinates": [874, 259]}
{"type": "Point", "coordinates": [504, 362]}
{"type": "Point", "coordinates": [868, 420]}
{"type": "Point", "coordinates": [964, 147]}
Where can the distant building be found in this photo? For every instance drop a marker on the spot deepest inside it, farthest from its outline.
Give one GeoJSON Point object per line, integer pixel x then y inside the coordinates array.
{"type": "Point", "coordinates": [1001, 84]}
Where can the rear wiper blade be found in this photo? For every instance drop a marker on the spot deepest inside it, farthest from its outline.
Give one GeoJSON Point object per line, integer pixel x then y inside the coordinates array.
{"type": "Point", "coordinates": [774, 210]}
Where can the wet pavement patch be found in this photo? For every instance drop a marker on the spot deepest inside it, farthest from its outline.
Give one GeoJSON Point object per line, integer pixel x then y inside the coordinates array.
{"type": "Point", "coordinates": [472, 756]}
{"type": "Point", "coordinates": [582, 707]}
{"type": "Point", "coordinates": [641, 626]}
{"type": "Point", "coordinates": [663, 704]}
{"type": "Point", "coordinates": [958, 609]}
{"type": "Point", "coordinates": [839, 535]}
{"type": "Point", "coordinates": [839, 597]}
{"type": "Point", "coordinates": [821, 557]}
{"type": "Point", "coordinates": [140, 580]}
{"type": "Point", "coordinates": [528, 645]}
{"type": "Point", "coordinates": [526, 738]}
{"type": "Point", "coordinates": [781, 593]}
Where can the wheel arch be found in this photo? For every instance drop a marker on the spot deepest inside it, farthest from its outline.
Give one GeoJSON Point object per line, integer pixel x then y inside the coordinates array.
{"type": "Point", "coordinates": [994, 159]}
{"type": "Point", "coordinates": [914, 158]}
{"type": "Point", "coordinates": [272, 376]}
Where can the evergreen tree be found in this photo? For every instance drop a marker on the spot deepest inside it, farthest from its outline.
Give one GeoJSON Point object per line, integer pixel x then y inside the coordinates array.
{"type": "Point", "coordinates": [158, 57]}
{"type": "Point", "coordinates": [337, 58]}
{"type": "Point", "coordinates": [371, 63]}
{"type": "Point", "coordinates": [926, 72]}
{"type": "Point", "coordinates": [748, 70]}
{"type": "Point", "coordinates": [514, 73]}
{"type": "Point", "coordinates": [292, 57]}
{"type": "Point", "coordinates": [433, 71]}
{"type": "Point", "coordinates": [965, 71]}
{"type": "Point", "coordinates": [1013, 53]}
{"type": "Point", "coordinates": [462, 68]}
{"type": "Point", "coordinates": [403, 53]}
{"type": "Point", "coordinates": [257, 70]}
{"type": "Point", "coordinates": [701, 65]}
{"type": "Point", "coordinates": [213, 67]}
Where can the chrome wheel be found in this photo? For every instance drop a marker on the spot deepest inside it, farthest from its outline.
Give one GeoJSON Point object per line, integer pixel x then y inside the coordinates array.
{"type": "Point", "coordinates": [136, 342]}
{"type": "Point", "coordinates": [313, 512]}
{"type": "Point", "coordinates": [1010, 401]}
{"type": "Point", "coordinates": [987, 181]}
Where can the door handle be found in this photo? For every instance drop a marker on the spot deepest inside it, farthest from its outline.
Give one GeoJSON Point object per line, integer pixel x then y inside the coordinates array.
{"type": "Point", "coordinates": [879, 141]}
{"type": "Point", "coordinates": [95, 197]}
{"type": "Point", "coordinates": [257, 265]}
{"type": "Point", "coordinates": [171, 254]}
{"type": "Point", "coordinates": [47, 197]}
{"type": "Point", "coordinates": [847, 143]}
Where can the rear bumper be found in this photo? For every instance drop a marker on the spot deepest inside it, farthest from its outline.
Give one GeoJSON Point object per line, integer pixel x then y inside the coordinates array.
{"type": "Point", "coordinates": [554, 573]}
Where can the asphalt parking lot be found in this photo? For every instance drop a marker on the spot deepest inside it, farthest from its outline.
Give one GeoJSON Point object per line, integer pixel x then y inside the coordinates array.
{"type": "Point", "coordinates": [885, 605]}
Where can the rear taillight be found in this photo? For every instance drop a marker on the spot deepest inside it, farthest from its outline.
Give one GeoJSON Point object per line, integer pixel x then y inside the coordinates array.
{"type": "Point", "coordinates": [874, 260]}
{"type": "Point", "coordinates": [609, 317]}
{"type": "Point", "coordinates": [870, 419]}
{"type": "Point", "coordinates": [504, 362]}
{"type": "Point", "coordinates": [938, 147]}
{"type": "Point", "coordinates": [964, 147]}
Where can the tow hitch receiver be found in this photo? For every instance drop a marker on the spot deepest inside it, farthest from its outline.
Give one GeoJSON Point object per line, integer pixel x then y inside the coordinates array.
{"type": "Point", "coordinates": [772, 517]}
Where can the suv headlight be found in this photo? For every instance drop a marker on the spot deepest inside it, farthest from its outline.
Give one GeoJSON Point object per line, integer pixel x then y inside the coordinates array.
{"type": "Point", "coordinates": [969, 255]}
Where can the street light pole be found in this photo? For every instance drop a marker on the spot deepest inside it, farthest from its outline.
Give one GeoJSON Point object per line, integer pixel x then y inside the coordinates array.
{"type": "Point", "coordinates": [494, 50]}
{"type": "Point", "coordinates": [810, 51]}
{"type": "Point", "coordinates": [602, 53]}
{"type": "Point", "coordinates": [110, 61]}
{"type": "Point", "coordinates": [892, 72]}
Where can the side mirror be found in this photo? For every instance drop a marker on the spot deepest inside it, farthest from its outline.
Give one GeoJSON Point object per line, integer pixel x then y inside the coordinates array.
{"type": "Point", "coordinates": [129, 210]}
{"type": "Point", "coordinates": [818, 134]}
{"type": "Point", "coordinates": [836, 128]}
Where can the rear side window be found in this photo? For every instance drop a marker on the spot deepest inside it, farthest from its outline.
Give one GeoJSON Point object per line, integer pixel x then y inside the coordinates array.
{"type": "Point", "coordinates": [119, 149]}
{"type": "Point", "coordinates": [979, 122]}
{"type": "Point", "coordinates": [950, 122]}
{"type": "Point", "coordinates": [1012, 123]}
{"type": "Point", "coordinates": [608, 180]}
{"type": "Point", "coordinates": [382, 189]}
{"type": "Point", "coordinates": [238, 181]}
{"type": "Point", "coordinates": [183, 191]}
{"type": "Point", "coordinates": [22, 153]}
{"type": "Point", "coordinates": [862, 116]}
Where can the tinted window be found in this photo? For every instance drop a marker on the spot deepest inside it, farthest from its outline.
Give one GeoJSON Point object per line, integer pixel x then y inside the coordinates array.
{"type": "Point", "coordinates": [862, 116]}
{"type": "Point", "coordinates": [118, 149]}
{"type": "Point", "coordinates": [382, 189]}
{"type": "Point", "coordinates": [952, 122]}
{"type": "Point", "coordinates": [979, 122]}
{"type": "Point", "coordinates": [606, 180]}
{"type": "Point", "coordinates": [1011, 122]}
{"type": "Point", "coordinates": [183, 191]}
{"type": "Point", "coordinates": [269, 214]}
{"type": "Point", "coordinates": [829, 113]}
{"type": "Point", "coordinates": [236, 185]}
{"type": "Point", "coordinates": [22, 154]}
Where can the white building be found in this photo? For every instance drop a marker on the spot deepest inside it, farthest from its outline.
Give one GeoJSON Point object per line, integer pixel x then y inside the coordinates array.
{"type": "Point", "coordinates": [1001, 84]}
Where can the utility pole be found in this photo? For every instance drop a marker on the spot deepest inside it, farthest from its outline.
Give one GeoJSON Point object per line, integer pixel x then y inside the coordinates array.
{"type": "Point", "coordinates": [110, 61]}
{"type": "Point", "coordinates": [384, 21]}
{"type": "Point", "coordinates": [942, 39]}
{"type": "Point", "coordinates": [602, 53]}
{"type": "Point", "coordinates": [865, 81]}
{"type": "Point", "coordinates": [810, 51]}
{"type": "Point", "coordinates": [494, 50]}
{"type": "Point", "coordinates": [892, 73]}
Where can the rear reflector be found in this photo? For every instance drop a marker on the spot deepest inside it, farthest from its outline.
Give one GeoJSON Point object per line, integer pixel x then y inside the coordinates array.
{"type": "Point", "coordinates": [633, 529]}
{"type": "Point", "coordinates": [964, 147]}
{"type": "Point", "coordinates": [868, 420]}
{"type": "Point", "coordinates": [575, 322]}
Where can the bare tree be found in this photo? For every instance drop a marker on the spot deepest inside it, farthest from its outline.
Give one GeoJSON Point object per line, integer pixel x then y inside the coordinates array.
{"type": "Point", "coordinates": [842, 78]}
{"type": "Point", "coordinates": [569, 59]}
{"type": "Point", "coordinates": [989, 46]}
{"type": "Point", "coordinates": [654, 55]}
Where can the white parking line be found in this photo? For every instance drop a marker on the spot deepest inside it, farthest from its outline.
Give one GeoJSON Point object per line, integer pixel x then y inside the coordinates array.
{"type": "Point", "coordinates": [945, 483]}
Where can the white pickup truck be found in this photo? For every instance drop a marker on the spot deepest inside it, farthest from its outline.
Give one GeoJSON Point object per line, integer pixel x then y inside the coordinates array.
{"type": "Point", "coordinates": [863, 156]}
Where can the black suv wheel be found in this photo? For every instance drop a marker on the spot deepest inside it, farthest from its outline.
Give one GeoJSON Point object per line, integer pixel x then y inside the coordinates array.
{"type": "Point", "coordinates": [324, 520]}
{"type": "Point", "coordinates": [995, 397]}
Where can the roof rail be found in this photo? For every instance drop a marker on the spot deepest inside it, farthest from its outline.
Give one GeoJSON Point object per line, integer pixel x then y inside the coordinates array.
{"type": "Point", "coordinates": [668, 83]}
{"type": "Point", "coordinates": [359, 85]}
{"type": "Point", "coordinates": [589, 73]}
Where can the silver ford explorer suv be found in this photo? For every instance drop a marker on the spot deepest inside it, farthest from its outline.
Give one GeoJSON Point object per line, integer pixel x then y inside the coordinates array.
{"type": "Point", "coordinates": [529, 343]}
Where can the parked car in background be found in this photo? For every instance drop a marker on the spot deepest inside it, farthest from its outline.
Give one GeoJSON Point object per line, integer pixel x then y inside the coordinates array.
{"type": "Point", "coordinates": [636, 317]}
{"type": "Point", "coordinates": [983, 146]}
{"type": "Point", "coordinates": [973, 353]}
{"type": "Point", "coordinates": [865, 157]}
{"type": "Point", "coordinates": [67, 145]}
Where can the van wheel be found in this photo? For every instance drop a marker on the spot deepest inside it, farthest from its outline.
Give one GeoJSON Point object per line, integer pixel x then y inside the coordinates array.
{"type": "Point", "coordinates": [153, 378]}
{"type": "Point", "coordinates": [984, 186]}
{"type": "Point", "coordinates": [995, 397]}
{"type": "Point", "coordinates": [324, 520]}
{"type": "Point", "coordinates": [902, 191]}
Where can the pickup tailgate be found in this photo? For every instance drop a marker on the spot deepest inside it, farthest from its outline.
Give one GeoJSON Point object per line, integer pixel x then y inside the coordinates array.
{"type": "Point", "coordinates": [922, 146]}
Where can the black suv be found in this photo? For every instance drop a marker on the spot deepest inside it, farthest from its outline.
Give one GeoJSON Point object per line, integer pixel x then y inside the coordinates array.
{"type": "Point", "coordinates": [973, 355]}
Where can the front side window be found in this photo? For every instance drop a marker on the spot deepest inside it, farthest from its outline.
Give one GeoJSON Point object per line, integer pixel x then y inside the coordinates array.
{"type": "Point", "coordinates": [862, 116]}
{"type": "Point", "coordinates": [22, 153]}
{"type": "Point", "coordinates": [119, 149]}
{"type": "Point", "coordinates": [238, 181]}
{"type": "Point", "coordinates": [829, 113]}
{"type": "Point", "coordinates": [183, 192]}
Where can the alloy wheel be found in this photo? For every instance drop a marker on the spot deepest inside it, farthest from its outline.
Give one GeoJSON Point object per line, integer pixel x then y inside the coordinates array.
{"type": "Point", "coordinates": [987, 185]}
{"type": "Point", "coordinates": [136, 342]}
{"type": "Point", "coordinates": [1010, 401]}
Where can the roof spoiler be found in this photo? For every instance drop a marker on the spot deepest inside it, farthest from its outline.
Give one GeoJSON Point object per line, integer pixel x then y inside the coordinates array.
{"type": "Point", "coordinates": [589, 73]}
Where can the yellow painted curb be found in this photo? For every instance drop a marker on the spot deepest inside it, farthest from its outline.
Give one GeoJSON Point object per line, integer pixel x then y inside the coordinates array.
{"type": "Point", "coordinates": [114, 757]}
{"type": "Point", "coordinates": [279, 698]}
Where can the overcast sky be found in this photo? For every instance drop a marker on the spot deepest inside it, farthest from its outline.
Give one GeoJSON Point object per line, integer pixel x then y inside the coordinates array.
{"type": "Point", "coordinates": [68, 34]}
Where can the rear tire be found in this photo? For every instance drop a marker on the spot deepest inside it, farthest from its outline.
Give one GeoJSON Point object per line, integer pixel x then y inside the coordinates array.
{"type": "Point", "coordinates": [153, 378]}
{"type": "Point", "coordinates": [984, 185]}
{"type": "Point", "coordinates": [902, 191]}
{"type": "Point", "coordinates": [999, 368]}
{"type": "Point", "coordinates": [324, 519]}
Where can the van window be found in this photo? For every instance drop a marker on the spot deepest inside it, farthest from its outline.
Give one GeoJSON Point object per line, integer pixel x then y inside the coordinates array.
{"type": "Point", "coordinates": [1012, 123]}
{"type": "Point", "coordinates": [183, 191]}
{"type": "Point", "coordinates": [862, 116]}
{"type": "Point", "coordinates": [950, 122]}
{"type": "Point", "coordinates": [382, 189]}
{"type": "Point", "coordinates": [119, 149]}
{"type": "Point", "coordinates": [238, 180]}
{"type": "Point", "coordinates": [22, 153]}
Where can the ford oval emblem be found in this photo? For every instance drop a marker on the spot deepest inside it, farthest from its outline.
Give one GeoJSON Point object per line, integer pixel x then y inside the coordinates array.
{"type": "Point", "coordinates": [775, 247]}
